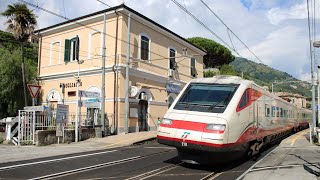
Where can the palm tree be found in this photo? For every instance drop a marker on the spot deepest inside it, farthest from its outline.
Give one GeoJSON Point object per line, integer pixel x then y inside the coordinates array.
{"type": "Point", "coordinates": [21, 22]}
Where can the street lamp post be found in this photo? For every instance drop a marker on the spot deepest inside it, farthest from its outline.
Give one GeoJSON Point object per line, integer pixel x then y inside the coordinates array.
{"type": "Point", "coordinates": [76, 129]}
{"type": "Point", "coordinates": [316, 44]}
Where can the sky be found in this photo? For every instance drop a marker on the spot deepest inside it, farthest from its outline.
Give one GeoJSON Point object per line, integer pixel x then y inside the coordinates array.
{"type": "Point", "coordinates": [275, 30]}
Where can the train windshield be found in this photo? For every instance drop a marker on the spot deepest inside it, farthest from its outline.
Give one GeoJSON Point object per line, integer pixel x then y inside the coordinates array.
{"type": "Point", "coordinates": [206, 97]}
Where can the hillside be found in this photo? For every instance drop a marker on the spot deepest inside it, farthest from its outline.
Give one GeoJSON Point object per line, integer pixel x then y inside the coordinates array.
{"type": "Point", "coordinates": [264, 76]}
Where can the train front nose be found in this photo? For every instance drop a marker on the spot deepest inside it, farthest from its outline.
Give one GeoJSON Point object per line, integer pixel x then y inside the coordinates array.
{"type": "Point", "coordinates": [188, 134]}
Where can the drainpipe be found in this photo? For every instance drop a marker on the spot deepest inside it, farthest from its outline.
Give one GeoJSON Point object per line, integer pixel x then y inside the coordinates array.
{"type": "Point", "coordinates": [127, 79]}
{"type": "Point", "coordinates": [103, 123]}
{"type": "Point", "coordinates": [39, 54]}
{"type": "Point", "coordinates": [115, 70]}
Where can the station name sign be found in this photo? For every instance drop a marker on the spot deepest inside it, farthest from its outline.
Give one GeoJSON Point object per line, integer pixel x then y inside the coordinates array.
{"type": "Point", "coordinates": [70, 85]}
{"type": "Point", "coordinates": [172, 88]}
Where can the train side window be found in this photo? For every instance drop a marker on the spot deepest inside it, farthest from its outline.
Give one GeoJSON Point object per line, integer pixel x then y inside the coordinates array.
{"type": "Point", "coordinates": [267, 110]}
{"type": "Point", "coordinates": [281, 112]}
{"type": "Point", "coordinates": [278, 112]}
{"type": "Point", "coordinates": [273, 111]}
{"type": "Point", "coordinates": [244, 99]}
{"type": "Point", "coordinates": [285, 113]}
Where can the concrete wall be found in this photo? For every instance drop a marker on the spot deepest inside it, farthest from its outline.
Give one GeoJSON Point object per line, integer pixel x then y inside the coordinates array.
{"type": "Point", "coordinates": [46, 137]}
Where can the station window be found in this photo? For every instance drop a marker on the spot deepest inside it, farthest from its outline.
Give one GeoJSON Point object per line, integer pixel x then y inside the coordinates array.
{"type": "Point", "coordinates": [193, 69]}
{"type": "Point", "coordinates": [145, 47]}
{"type": "Point", "coordinates": [71, 49]}
{"type": "Point", "coordinates": [172, 59]}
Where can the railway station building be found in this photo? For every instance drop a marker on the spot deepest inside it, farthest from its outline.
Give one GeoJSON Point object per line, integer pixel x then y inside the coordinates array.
{"type": "Point", "coordinates": [160, 64]}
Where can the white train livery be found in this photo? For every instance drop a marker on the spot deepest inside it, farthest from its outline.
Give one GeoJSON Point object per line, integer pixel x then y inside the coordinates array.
{"type": "Point", "coordinates": [224, 117]}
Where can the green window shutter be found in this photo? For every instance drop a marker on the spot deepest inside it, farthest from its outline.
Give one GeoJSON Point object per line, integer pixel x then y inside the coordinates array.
{"type": "Point", "coordinates": [193, 67]}
{"type": "Point", "coordinates": [77, 48]}
{"type": "Point", "coordinates": [67, 49]}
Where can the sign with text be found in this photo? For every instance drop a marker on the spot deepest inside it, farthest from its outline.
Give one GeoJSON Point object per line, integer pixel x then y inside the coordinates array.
{"type": "Point", "coordinates": [36, 108]}
{"type": "Point", "coordinates": [90, 104]}
{"type": "Point", "coordinates": [62, 113]}
{"type": "Point", "coordinates": [172, 88]}
{"type": "Point", "coordinates": [89, 94]}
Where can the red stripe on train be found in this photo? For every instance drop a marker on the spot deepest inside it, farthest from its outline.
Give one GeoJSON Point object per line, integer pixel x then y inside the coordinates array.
{"type": "Point", "coordinates": [249, 135]}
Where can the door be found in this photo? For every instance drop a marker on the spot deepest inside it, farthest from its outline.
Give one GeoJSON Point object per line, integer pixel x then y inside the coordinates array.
{"type": "Point", "coordinates": [143, 115]}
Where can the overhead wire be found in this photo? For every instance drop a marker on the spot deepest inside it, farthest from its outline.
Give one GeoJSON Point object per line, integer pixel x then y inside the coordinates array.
{"type": "Point", "coordinates": [231, 31]}
{"type": "Point", "coordinates": [208, 29]}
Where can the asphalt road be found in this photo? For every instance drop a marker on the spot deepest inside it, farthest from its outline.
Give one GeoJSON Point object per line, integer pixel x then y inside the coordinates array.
{"type": "Point", "coordinates": [146, 161]}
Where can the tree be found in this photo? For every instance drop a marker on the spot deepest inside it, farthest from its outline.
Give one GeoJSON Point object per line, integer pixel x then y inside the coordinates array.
{"type": "Point", "coordinates": [227, 70]}
{"type": "Point", "coordinates": [10, 83]}
{"type": "Point", "coordinates": [217, 54]}
{"type": "Point", "coordinates": [21, 22]}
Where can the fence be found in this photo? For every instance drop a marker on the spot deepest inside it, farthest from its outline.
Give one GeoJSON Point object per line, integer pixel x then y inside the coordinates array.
{"type": "Point", "coordinates": [30, 121]}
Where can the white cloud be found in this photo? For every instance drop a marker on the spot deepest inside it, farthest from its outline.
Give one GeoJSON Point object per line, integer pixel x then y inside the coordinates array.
{"type": "Point", "coordinates": [277, 15]}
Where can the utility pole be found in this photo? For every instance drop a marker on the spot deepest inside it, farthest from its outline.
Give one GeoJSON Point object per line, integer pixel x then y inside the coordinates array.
{"type": "Point", "coordinates": [103, 86]}
{"type": "Point", "coordinates": [318, 82]}
{"type": "Point", "coordinates": [76, 129]}
{"type": "Point", "coordinates": [127, 79]}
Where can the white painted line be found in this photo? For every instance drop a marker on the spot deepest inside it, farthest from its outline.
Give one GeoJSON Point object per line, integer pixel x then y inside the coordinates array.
{"type": "Point", "coordinates": [87, 168]}
{"type": "Point", "coordinates": [154, 172]}
{"type": "Point", "coordinates": [159, 148]}
{"type": "Point", "coordinates": [242, 175]}
{"type": "Point", "coordinates": [207, 176]}
{"type": "Point", "coordinates": [53, 160]}
{"type": "Point", "coordinates": [277, 167]}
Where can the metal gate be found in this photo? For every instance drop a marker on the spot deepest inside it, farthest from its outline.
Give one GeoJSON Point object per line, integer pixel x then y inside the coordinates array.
{"type": "Point", "coordinates": [26, 127]}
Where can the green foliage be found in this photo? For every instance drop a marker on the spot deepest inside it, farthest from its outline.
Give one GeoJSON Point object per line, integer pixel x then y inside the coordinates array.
{"type": "Point", "coordinates": [228, 70]}
{"type": "Point", "coordinates": [21, 21]}
{"type": "Point", "coordinates": [265, 76]}
{"type": "Point", "coordinates": [210, 73]}
{"type": "Point", "coordinates": [217, 54]}
{"type": "Point", "coordinates": [11, 87]}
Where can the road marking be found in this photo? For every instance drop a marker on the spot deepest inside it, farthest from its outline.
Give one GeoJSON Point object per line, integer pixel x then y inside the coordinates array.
{"type": "Point", "coordinates": [208, 176]}
{"type": "Point", "coordinates": [248, 170]}
{"type": "Point", "coordinates": [155, 172]}
{"type": "Point", "coordinates": [159, 148]}
{"type": "Point", "coordinates": [53, 160]}
{"type": "Point", "coordinates": [296, 138]}
{"type": "Point", "coordinates": [60, 174]}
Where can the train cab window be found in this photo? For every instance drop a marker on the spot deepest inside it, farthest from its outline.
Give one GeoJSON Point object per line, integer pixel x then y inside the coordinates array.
{"type": "Point", "coordinates": [203, 97]}
{"type": "Point", "coordinates": [267, 110]}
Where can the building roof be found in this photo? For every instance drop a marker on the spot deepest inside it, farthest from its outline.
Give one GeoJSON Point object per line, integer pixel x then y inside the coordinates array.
{"type": "Point", "coordinates": [113, 9]}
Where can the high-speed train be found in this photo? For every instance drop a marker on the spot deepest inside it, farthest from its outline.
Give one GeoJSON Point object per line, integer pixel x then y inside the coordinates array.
{"type": "Point", "coordinates": [225, 117]}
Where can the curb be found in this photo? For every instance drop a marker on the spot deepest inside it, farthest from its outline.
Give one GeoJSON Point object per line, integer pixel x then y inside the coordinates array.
{"type": "Point", "coordinates": [143, 141]}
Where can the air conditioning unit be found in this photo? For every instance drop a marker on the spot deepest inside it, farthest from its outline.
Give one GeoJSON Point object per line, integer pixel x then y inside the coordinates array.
{"type": "Point", "coordinates": [170, 72]}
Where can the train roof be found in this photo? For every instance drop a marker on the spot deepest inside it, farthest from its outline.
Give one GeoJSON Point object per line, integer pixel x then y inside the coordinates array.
{"type": "Point", "coordinates": [222, 79]}
{"type": "Point", "coordinates": [227, 79]}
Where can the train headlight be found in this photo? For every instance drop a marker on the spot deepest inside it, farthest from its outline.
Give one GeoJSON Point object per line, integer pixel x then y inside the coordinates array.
{"type": "Point", "coordinates": [215, 128]}
{"type": "Point", "coordinates": [166, 121]}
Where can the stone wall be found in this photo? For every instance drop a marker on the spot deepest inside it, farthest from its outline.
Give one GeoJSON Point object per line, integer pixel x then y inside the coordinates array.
{"type": "Point", "coordinates": [46, 137]}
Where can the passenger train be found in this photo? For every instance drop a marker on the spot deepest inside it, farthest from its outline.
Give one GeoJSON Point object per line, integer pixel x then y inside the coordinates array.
{"type": "Point", "coordinates": [226, 117]}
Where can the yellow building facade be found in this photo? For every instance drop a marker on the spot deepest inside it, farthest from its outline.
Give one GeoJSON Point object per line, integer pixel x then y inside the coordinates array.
{"type": "Point", "coordinates": [160, 64]}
